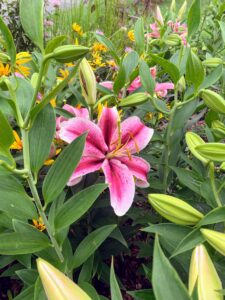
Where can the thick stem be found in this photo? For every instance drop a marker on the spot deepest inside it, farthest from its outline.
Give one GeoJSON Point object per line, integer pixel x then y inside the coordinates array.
{"type": "Point", "coordinates": [213, 184]}
{"type": "Point", "coordinates": [26, 155]}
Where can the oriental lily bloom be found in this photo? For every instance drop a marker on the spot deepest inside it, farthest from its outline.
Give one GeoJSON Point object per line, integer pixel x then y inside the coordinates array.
{"type": "Point", "coordinates": [110, 146]}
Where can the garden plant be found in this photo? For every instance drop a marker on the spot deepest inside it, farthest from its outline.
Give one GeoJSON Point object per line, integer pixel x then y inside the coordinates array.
{"type": "Point", "coordinates": [112, 153]}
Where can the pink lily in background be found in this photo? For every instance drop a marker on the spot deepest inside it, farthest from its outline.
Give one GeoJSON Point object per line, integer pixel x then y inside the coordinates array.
{"type": "Point", "coordinates": [76, 111]}
{"type": "Point", "coordinates": [136, 83]}
{"type": "Point", "coordinates": [161, 89]}
{"type": "Point", "coordinates": [107, 84]}
{"type": "Point", "coordinates": [155, 31]}
{"type": "Point", "coordinates": [110, 146]}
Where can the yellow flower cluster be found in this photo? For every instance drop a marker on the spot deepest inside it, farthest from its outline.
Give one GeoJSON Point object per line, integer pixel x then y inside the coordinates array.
{"type": "Point", "coordinates": [98, 47]}
{"type": "Point", "coordinates": [97, 59]}
{"type": "Point", "coordinates": [22, 58]}
{"type": "Point", "coordinates": [4, 69]}
{"type": "Point", "coordinates": [77, 28]}
{"type": "Point", "coordinates": [130, 35]}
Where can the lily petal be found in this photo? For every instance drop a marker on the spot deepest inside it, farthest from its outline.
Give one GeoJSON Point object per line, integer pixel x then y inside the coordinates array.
{"type": "Point", "coordinates": [121, 185]}
{"type": "Point", "coordinates": [138, 167]}
{"type": "Point", "coordinates": [95, 144]}
{"type": "Point", "coordinates": [108, 123]}
{"type": "Point", "coordinates": [78, 112]}
{"type": "Point", "coordinates": [87, 164]}
{"type": "Point", "coordinates": [135, 136]}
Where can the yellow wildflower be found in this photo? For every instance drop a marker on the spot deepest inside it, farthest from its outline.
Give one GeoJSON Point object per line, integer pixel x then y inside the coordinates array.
{"type": "Point", "coordinates": [63, 74]}
{"type": "Point", "coordinates": [50, 161]}
{"type": "Point", "coordinates": [53, 102]}
{"type": "Point", "coordinates": [99, 47]}
{"type": "Point", "coordinates": [21, 59]}
{"type": "Point", "coordinates": [111, 63]}
{"type": "Point", "coordinates": [17, 144]}
{"type": "Point", "coordinates": [130, 35]}
{"type": "Point", "coordinates": [97, 60]}
{"type": "Point", "coordinates": [39, 224]}
{"type": "Point", "coordinates": [4, 69]}
{"type": "Point", "coordinates": [70, 65]}
{"type": "Point", "coordinates": [77, 28]}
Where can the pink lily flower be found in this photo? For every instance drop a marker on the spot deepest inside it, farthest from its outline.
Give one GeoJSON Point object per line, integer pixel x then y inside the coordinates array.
{"type": "Point", "coordinates": [110, 147]}
{"type": "Point", "coordinates": [77, 112]}
{"type": "Point", "coordinates": [136, 83]}
{"type": "Point", "coordinates": [155, 31]}
{"type": "Point", "coordinates": [161, 89]}
{"type": "Point", "coordinates": [107, 84]}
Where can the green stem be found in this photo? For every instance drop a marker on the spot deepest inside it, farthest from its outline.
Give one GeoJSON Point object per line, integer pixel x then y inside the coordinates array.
{"type": "Point", "coordinates": [91, 112]}
{"type": "Point", "coordinates": [30, 179]}
{"type": "Point", "coordinates": [213, 184]}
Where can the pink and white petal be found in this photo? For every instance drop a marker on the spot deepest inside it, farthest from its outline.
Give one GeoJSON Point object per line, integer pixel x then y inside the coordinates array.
{"type": "Point", "coordinates": [78, 112]}
{"type": "Point", "coordinates": [135, 136]}
{"type": "Point", "coordinates": [108, 123]}
{"type": "Point", "coordinates": [87, 164]}
{"type": "Point", "coordinates": [95, 144]}
{"type": "Point", "coordinates": [121, 185]}
{"type": "Point", "coordinates": [138, 167]}
{"type": "Point", "coordinates": [164, 86]}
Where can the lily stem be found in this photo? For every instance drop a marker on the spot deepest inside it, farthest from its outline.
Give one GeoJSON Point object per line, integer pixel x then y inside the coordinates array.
{"type": "Point", "coordinates": [213, 184]}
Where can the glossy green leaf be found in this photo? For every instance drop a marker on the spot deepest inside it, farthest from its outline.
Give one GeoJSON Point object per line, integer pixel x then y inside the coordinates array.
{"type": "Point", "coordinates": [105, 41]}
{"type": "Point", "coordinates": [77, 205]}
{"type": "Point", "coordinates": [120, 80]}
{"type": "Point", "coordinates": [147, 81]}
{"type": "Point", "coordinates": [26, 294]}
{"type": "Point", "coordinates": [9, 43]}
{"type": "Point", "coordinates": [194, 70]}
{"type": "Point", "coordinates": [31, 17]}
{"type": "Point", "coordinates": [6, 139]}
{"type": "Point", "coordinates": [114, 286]}
{"type": "Point", "coordinates": [40, 137]}
{"type": "Point", "coordinates": [142, 295]}
{"type": "Point", "coordinates": [62, 169]}
{"type": "Point", "coordinates": [194, 17]}
{"type": "Point", "coordinates": [130, 62]}
{"type": "Point", "coordinates": [212, 78]}
{"type": "Point", "coordinates": [21, 243]}
{"type": "Point", "coordinates": [222, 28]}
{"type": "Point", "coordinates": [166, 282]}
{"type": "Point", "coordinates": [139, 35]}
{"type": "Point", "coordinates": [168, 67]}
{"type": "Point", "coordinates": [216, 215]}
{"type": "Point", "coordinates": [28, 276]}
{"type": "Point", "coordinates": [90, 244]}
{"type": "Point", "coordinates": [90, 290]}
{"type": "Point", "coordinates": [39, 293]}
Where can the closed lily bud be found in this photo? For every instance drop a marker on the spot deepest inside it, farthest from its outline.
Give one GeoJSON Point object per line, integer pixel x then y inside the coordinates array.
{"type": "Point", "coordinates": [173, 6]}
{"type": "Point", "coordinates": [213, 101]}
{"type": "Point", "coordinates": [193, 140]}
{"type": "Point", "coordinates": [158, 15]}
{"type": "Point", "coordinates": [174, 209]}
{"type": "Point", "coordinates": [182, 10]}
{"type": "Point", "coordinates": [135, 99]}
{"type": "Point", "coordinates": [212, 151]}
{"type": "Point", "coordinates": [215, 239]}
{"type": "Point", "coordinates": [173, 39]}
{"type": "Point", "coordinates": [182, 84]}
{"type": "Point", "coordinates": [68, 53]}
{"type": "Point", "coordinates": [218, 128]}
{"type": "Point", "coordinates": [212, 62]}
{"type": "Point", "coordinates": [56, 285]}
{"type": "Point", "coordinates": [87, 82]}
{"type": "Point", "coordinates": [203, 275]}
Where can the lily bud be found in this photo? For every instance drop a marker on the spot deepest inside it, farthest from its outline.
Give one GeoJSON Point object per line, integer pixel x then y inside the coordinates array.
{"type": "Point", "coordinates": [215, 239]}
{"type": "Point", "coordinates": [173, 40]}
{"type": "Point", "coordinates": [193, 140]}
{"type": "Point", "coordinates": [87, 82]}
{"type": "Point", "coordinates": [135, 99]}
{"type": "Point", "coordinates": [203, 275]}
{"type": "Point", "coordinates": [182, 10]}
{"type": "Point", "coordinates": [173, 6]}
{"type": "Point", "coordinates": [212, 151]}
{"type": "Point", "coordinates": [174, 209]}
{"type": "Point", "coordinates": [57, 285]}
{"type": "Point", "coordinates": [69, 53]}
{"type": "Point", "coordinates": [218, 128]}
{"type": "Point", "coordinates": [213, 101]}
{"type": "Point", "coordinates": [212, 62]}
{"type": "Point", "coordinates": [158, 15]}
{"type": "Point", "coordinates": [182, 84]}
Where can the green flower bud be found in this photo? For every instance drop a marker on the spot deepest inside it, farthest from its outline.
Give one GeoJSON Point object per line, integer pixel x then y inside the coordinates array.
{"type": "Point", "coordinates": [218, 128]}
{"type": "Point", "coordinates": [193, 140]}
{"type": "Point", "coordinates": [68, 53]}
{"type": "Point", "coordinates": [57, 285]}
{"type": "Point", "coordinates": [215, 239]}
{"type": "Point", "coordinates": [174, 209]}
{"type": "Point", "coordinates": [87, 82]}
{"type": "Point", "coordinates": [182, 10]}
{"type": "Point", "coordinates": [212, 62]}
{"type": "Point", "coordinates": [213, 101]}
{"type": "Point", "coordinates": [135, 99]}
{"type": "Point", "coordinates": [203, 275]}
{"type": "Point", "coordinates": [212, 151]}
{"type": "Point", "coordinates": [182, 84]}
{"type": "Point", "coordinates": [173, 40]}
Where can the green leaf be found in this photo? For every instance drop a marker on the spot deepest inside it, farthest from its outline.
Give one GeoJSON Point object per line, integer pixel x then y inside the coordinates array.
{"type": "Point", "coordinates": [62, 169]}
{"type": "Point", "coordinates": [90, 290]}
{"type": "Point", "coordinates": [9, 43]}
{"type": "Point", "coordinates": [105, 41]}
{"type": "Point", "coordinates": [26, 294]}
{"type": "Point", "coordinates": [142, 294]}
{"type": "Point", "coordinates": [212, 78]}
{"type": "Point", "coordinates": [40, 137]}
{"type": "Point", "coordinates": [130, 62]}
{"type": "Point", "coordinates": [194, 70]}
{"type": "Point", "coordinates": [114, 286]}
{"type": "Point", "coordinates": [165, 280]}
{"type": "Point", "coordinates": [147, 81]}
{"type": "Point", "coordinates": [222, 28]}
{"type": "Point", "coordinates": [39, 293]}
{"type": "Point", "coordinates": [77, 205]}
{"type": "Point", "coordinates": [168, 67]}
{"type": "Point", "coordinates": [28, 276]}
{"type": "Point", "coordinates": [21, 243]}
{"type": "Point", "coordinates": [90, 244]}
{"type": "Point", "coordinates": [194, 17]}
{"type": "Point", "coordinates": [54, 43]}
{"type": "Point", "coordinates": [31, 17]}
{"type": "Point", "coordinates": [139, 35]}
{"type": "Point", "coordinates": [14, 200]}
{"type": "Point", "coordinates": [6, 138]}
{"type": "Point", "coordinates": [216, 215]}
{"type": "Point", "coordinates": [190, 241]}
{"type": "Point", "coordinates": [120, 80]}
